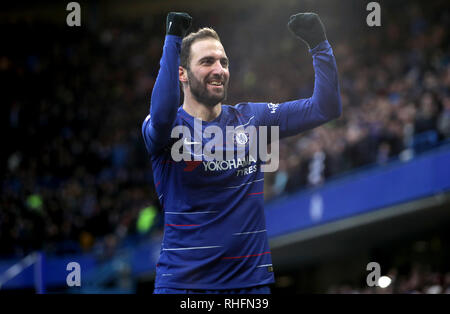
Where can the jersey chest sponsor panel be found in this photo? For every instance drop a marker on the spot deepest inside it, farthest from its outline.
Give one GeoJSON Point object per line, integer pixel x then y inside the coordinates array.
{"type": "Point", "coordinates": [205, 174]}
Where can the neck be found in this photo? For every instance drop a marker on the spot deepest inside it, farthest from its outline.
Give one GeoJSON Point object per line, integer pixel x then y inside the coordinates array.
{"type": "Point", "coordinates": [199, 110]}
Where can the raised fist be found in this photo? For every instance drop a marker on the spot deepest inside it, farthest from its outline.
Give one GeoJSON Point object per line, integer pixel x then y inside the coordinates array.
{"type": "Point", "coordinates": [308, 27]}
{"type": "Point", "coordinates": [178, 23]}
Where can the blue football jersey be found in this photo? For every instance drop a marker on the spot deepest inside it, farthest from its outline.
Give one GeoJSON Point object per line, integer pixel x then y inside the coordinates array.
{"type": "Point", "coordinates": [215, 233]}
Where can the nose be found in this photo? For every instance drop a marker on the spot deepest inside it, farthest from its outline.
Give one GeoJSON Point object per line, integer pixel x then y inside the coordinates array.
{"type": "Point", "coordinates": [218, 68]}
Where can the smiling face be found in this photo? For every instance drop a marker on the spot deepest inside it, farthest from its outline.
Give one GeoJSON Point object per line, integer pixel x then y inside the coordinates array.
{"type": "Point", "coordinates": [207, 76]}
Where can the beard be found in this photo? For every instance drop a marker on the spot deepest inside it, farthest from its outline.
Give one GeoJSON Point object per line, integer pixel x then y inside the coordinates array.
{"type": "Point", "coordinates": [201, 93]}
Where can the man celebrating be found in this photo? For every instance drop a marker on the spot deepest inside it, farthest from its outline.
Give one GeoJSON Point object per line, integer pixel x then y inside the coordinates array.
{"type": "Point", "coordinates": [215, 239]}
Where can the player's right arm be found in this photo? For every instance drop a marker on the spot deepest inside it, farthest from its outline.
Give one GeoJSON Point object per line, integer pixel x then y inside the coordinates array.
{"type": "Point", "coordinates": [157, 125]}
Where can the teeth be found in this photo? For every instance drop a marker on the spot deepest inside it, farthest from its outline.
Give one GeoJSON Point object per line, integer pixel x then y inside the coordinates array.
{"type": "Point", "coordinates": [215, 83]}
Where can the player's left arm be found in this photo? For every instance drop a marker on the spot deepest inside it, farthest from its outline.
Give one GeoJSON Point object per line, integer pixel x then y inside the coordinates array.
{"type": "Point", "coordinates": [325, 103]}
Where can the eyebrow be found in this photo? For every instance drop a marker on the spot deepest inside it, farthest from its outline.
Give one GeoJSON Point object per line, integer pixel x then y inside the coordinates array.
{"type": "Point", "coordinates": [213, 58]}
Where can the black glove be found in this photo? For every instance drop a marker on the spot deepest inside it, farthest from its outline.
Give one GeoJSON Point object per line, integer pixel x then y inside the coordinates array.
{"type": "Point", "coordinates": [308, 27]}
{"type": "Point", "coordinates": [178, 23]}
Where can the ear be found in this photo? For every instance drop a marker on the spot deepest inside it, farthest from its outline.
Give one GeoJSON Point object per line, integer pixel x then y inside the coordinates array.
{"type": "Point", "coordinates": [182, 73]}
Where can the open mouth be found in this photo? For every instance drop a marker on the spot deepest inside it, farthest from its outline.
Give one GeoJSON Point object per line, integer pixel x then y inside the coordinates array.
{"type": "Point", "coordinates": [215, 83]}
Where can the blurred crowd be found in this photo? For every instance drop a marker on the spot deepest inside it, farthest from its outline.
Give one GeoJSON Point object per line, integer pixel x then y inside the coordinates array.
{"type": "Point", "coordinates": [76, 176]}
{"type": "Point", "coordinates": [419, 281]}
{"type": "Point", "coordinates": [395, 88]}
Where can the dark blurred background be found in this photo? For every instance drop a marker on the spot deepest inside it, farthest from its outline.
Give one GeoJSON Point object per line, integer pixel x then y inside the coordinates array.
{"type": "Point", "coordinates": [76, 178]}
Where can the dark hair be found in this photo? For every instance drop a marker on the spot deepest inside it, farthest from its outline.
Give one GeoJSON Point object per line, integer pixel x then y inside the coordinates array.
{"type": "Point", "coordinates": [202, 33]}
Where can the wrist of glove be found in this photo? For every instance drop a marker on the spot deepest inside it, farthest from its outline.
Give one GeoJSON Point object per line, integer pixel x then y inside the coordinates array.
{"type": "Point", "coordinates": [308, 27]}
{"type": "Point", "coordinates": [178, 23]}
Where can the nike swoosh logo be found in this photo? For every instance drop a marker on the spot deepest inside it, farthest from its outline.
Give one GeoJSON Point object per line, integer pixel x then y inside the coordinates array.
{"type": "Point", "coordinates": [189, 143]}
